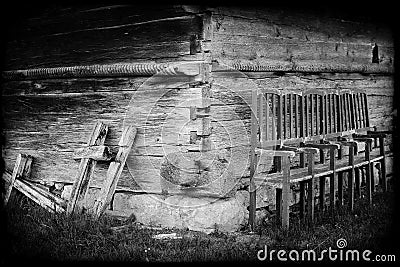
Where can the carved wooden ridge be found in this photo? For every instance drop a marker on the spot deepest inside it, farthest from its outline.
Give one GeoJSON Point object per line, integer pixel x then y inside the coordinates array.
{"type": "Point", "coordinates": [149, 69]}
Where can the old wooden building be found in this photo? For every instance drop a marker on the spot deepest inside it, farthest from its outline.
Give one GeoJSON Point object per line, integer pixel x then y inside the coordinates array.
{"type": "Point", "coordinates": [183, 76]}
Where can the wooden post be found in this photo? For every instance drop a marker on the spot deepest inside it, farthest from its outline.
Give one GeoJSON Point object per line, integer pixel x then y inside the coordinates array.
{"type": "Point", "coordinates": [253, 141]}
{"type": "Point", "coordinates": [22, 168]}
{"type": "Point", "coordinates": [332, 180]}
{"type": "Point", "coordinates": [85, 171]}
{"type": "Point", "coordinates": [351, 178]}
{"type": "Point", "coordinates": [278, 205]}
{"type": "Point", "coordinates": [285, 193]}
{"type": "Point", "coordinates": [302, 201]}
{"type": "Point", "coordinates": [311, 192]}
{"type": "Point", "coordinates": [340, 179]}
{"type": "Point", "coordinates": [357, 182]}
{"type": "Point", "coordinates": [368, 171]}
{"type": "Point", "coordinates": [322, 193]}
{"type": "Point", "coordinates": [383, 163]}
{"type": "Point", "coordinates": [114, 172]}
{"type": "Point", "coordinates": [302, 188]}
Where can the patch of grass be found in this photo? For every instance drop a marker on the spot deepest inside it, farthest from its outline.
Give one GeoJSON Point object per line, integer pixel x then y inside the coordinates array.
{"type": "Point", "coordinates": [34, 234]}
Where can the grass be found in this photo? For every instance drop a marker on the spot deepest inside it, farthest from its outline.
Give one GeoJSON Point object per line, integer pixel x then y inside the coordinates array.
{"type": "Point", "coordinates": [34, 234]}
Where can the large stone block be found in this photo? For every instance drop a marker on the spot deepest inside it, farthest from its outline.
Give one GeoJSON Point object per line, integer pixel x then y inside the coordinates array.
{"type": "Point", "coordinates": [183, 212]}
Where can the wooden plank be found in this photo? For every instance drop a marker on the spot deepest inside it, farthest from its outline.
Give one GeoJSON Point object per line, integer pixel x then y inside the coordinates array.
{"type": "Point", "coordinates": [273, 117]}
{"type": "Point", "coordinates": [85, 172]}
{"type": "Point", "coordinates": [22, 168]}
{"type": "Point", "coordinates": [280, 113]}
{"type": "Point", "coordinates": [312, 115]}
{"type": "Point", "coordinates": [366, 119]}
{"type": "Point", "coordinates": [253, 160]}
{"type": "Point", "coordinates": [368, 171]}
{"type": "Point", "coordinates": [322, 181]}
{"type": "Point", "coordinates": [357, 183]}
{"type": "Point", "coordinates": [48, 201]}
{"type": "Point", "coordinates": [317, 114]}
{"type": "Point", "coordinates": [350, 177]}
{"type": "Point", "coordinates": [98, 153]}
{"type": "Point", "coordinates": [284, 115]}
{"type": "Point", "coordinates": [285, 193]}
{"type": "Point", "coordinates": [332, 166]}
{"type": "Point", "coordinates": [124, 43]}
{"type": "Point", "coordinates": [290, 104]}
{"type": "Point", "coordinates": [261, 117]}
{"type": "Point", "coordinates": [383, 164]}
{"type": "Point", "coordinates": [296, 116]}
{"type": "Point", "coordinates": [310, 189]}
{"type": "Point", "coordinates": [278, 205]}
{"type": "Point", "coordinates": [114, 172]}
{"type": "Point", "coordinates": [267, 116]}
{"type": "Point", "coordinates": [349, 111]}
{"type": "Point", "coordinates": [302, 200]}
{"type": "Point", "coordinates": [251, 21]}
{"type": "Point", "coordinates": [303, 116]}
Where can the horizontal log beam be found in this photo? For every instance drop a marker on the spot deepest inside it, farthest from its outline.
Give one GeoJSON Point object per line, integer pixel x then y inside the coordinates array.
{"type": "Point", "coordinates": [149, 69]}
{"type": "Point", "coordinates": [106, 70]}
{"type": "Point", "coordinates": [308, 67]}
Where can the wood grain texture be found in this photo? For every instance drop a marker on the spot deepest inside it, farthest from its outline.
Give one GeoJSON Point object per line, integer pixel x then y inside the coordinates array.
{"type": "Point", "coordinates": [98, 153]}
{"type": "Point", "coordinates": [86, 170]}
{"type": "Point", "coordinates": [50, 202]}
{"type": "Point", "coordinates": [286, 40]}
{"type": "Point", "coordinates": [114, 172]}
{"type": "Point", "coordinates": [35, 42]}
{"type": "Point", "coordinates": [22, 169]}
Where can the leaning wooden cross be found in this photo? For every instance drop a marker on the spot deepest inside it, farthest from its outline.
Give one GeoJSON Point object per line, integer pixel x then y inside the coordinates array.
{"type": "Point", "coordinates": [89, 156]}
{"type": "Point", "coordinates": [114, 172]}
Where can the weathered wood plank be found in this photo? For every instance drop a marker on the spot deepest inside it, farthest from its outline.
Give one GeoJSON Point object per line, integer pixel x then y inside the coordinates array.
{"type": "Point", "coordinates": [85, 172]}
{"type": "Point", "coordinates": [114, 171]}
{"type": "Point", "coordinates": [169, 39]}
{"type": "Point", "coordinates": [98, 153]}
{"type": "Point", "coordinates": [45, 199]}
{"type": "Point", "coordinates": [22, 167]}
{"type": "Point", "coordinates": [290, 25]}
{"type": "Point", "coordinates": [58, 21]}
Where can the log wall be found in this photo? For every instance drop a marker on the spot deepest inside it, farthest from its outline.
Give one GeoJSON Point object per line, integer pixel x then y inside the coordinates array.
{"type": "Point", "coordinates": [50, 115]}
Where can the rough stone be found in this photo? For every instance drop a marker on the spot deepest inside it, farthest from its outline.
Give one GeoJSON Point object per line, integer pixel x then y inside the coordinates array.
{"type": "Point", "coordinates": [182, 212]}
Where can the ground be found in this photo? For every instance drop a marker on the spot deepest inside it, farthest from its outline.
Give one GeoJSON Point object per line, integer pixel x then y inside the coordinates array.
{"type": "Point", "coordinates": [35, 234]}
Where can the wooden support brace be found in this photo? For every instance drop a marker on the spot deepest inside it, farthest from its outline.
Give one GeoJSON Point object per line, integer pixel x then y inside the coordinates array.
{"type": "Point", "coordinates": [285, 193]}
{"type": "Point", "coordinates": [85, 171]}
{"type": "Point", "coordinates": [22, 168]}
{"type": "Point", "coordinates": [332, 167]}
{"type": "Point", "coordinates": [357, 182]}
{"type": "Point", "coordinates": [368, 172]}
{"type": "Point", "coordinates": [311, 192]}
{"type": "Point", "coordinates": [383, 163]}
{"type": "Point", "coordinates": [302, 201]}
{"type": "Point", "coordinates": [45, 199]}
{"type": "Point", "coordinates": [114, 172]}
{"type": "Point", "coordinates": [98, 153]}
{"type": "Point", "coordinates": [351, 178]}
